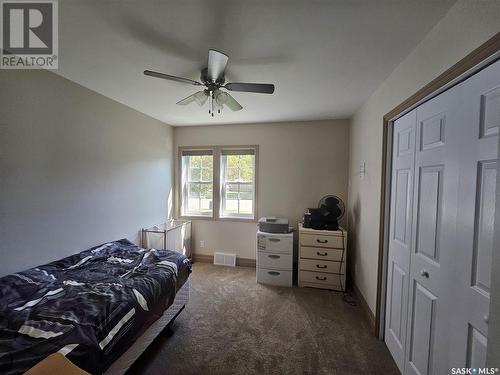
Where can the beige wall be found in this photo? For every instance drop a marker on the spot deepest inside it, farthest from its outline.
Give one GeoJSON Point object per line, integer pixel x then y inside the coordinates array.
{"type": "Point", "coordinates": [298, 164]}
{"type": "Point", "coordinates": [76, 169]}
{"type": "Point", "coordinates": [468, 24]}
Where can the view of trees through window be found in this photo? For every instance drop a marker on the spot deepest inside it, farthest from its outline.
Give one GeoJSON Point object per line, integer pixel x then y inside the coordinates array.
{"type": "Point", "coordinates": [200, 184]}
{"type": "Point", "coordinates": [238, 184]}
{"type": "Point", "coordinates": [231, 195]}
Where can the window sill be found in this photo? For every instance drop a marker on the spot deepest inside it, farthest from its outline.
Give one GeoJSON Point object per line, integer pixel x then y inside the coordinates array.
{"type": "Point", "coordinates": [224, 219]}
{"type": "Point", "coordinates": [196, 217]}
{"type": "Point", "coordinates": [238, 219]}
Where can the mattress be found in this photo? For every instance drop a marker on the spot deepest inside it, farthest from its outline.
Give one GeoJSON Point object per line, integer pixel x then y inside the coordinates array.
{"type": "Point", "coordinates": [90, 306]}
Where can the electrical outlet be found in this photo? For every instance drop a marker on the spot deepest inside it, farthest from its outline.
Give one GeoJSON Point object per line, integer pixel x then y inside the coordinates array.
{"type": "Point", "coordinates": [202, 243]}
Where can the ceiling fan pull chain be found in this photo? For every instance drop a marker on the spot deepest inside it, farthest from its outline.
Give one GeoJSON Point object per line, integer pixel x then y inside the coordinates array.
{"type": "Point", "coordinates": [213, 104]}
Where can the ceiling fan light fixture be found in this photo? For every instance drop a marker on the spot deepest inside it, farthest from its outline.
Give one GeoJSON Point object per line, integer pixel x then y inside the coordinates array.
{"type": "Point", "coordinates": [201, 98]}
{"type": "Point", "coordinates": [213, 78]}
{"type": "Point", "coordinates": [220, 97]}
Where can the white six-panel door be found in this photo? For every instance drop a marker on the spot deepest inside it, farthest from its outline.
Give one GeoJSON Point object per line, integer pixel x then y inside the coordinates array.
{"type": "Point", "coordinates": [441, 228]}
{"type": "Point", "coordinates": [400, 236]}
{"type": "Point", "coordinates": [478, 163]}
{"type": "Point", "coordinates": [434, 227]}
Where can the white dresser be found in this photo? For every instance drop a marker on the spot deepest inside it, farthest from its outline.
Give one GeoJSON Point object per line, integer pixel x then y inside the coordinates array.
{"type": "Point", "coordinates": [275, 258]}
{"type": "Point", "coordinates": [322, 258]}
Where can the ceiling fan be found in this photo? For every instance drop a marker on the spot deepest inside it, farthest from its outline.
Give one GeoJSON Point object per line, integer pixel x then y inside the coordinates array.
{"type": "Point", "coordinates": [213, 78]}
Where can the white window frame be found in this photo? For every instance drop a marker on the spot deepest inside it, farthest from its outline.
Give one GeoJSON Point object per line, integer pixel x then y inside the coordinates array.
{"type": "Point", "coordinates": [217, 184]}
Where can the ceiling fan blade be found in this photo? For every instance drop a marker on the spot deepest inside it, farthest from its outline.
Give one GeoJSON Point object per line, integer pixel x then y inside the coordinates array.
{"type": "Point", "coordinates": [224, 98]}
{"type": "Point", "coordinates": [200, 97]}
{"type": "Point", "coordinates": [171, 78]}
{"type": "Point", "coordinates": [187, 100]}
{"type": "Point", "coordinates": [217, 62]}
{"type": "Point", "coordinates": [261, 88]}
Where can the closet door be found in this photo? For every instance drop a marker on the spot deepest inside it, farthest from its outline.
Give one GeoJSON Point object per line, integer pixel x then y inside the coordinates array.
{"type": "Point", "coordinates": [480, 111]}
{"type": "Point", "coordinates": [434, 235]}
{"type": "Point", "coordinates": [403, 160]}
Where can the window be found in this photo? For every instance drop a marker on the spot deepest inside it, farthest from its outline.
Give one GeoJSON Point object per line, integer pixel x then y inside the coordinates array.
{"type": "Point", "coordinates": [218, 182]}
{"type": "Point", "coordinates": [237, 183]}
{"type": "Point", "coordinates": [197, 182]}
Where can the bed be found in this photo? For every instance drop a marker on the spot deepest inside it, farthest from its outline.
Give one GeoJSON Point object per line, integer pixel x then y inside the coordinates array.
{"type": "Point", "coordinates": [100, 308]}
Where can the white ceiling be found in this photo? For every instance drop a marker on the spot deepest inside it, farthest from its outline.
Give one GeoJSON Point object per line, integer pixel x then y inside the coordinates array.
{"type": "Point", "coordinates": [325, 57]}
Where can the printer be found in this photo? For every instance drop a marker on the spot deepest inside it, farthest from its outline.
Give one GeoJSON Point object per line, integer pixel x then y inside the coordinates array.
{"type": "Point", "coordinates": [273, 225]}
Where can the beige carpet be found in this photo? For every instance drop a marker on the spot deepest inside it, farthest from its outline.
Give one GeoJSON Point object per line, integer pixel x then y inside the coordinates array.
{"type": "Point", "coordinates": [233, 325]}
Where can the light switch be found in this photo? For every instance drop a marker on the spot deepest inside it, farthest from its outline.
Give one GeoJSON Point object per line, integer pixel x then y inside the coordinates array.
{"type": "Point", "coordinates": [362, 170]}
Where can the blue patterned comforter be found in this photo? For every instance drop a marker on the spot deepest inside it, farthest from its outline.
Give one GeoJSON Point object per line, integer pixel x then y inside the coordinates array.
{"type": "Point", "coordinates": [90, 306]}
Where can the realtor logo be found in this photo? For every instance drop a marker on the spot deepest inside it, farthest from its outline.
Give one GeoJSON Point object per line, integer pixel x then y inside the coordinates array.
{"type": "Point", "coordinates": [29, 34]}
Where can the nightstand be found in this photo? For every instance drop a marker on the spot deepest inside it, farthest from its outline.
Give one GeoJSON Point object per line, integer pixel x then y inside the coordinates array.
{"type": "Point", "coordinates": [322, 258]}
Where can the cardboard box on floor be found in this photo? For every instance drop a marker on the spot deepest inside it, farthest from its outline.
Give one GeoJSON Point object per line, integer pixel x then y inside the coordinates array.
{"type": "Point", "coordinates": [55, 364]}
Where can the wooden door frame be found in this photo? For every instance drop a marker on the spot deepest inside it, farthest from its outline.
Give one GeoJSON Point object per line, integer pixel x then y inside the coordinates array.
{"type": "Point", "coordinates": [478, 59]}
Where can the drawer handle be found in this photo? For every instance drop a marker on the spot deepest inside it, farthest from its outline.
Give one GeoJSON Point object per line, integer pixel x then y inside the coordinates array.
{"type": "Point", "coordinates": [274, 240]}
{"type": "Point", "coordinates": [321, 254]}
{"type": "Point", "coordinates": [273, 273]}
{"type": "Point", "coordinates": [274, 256]}
{"type": "Point", "coordinates": [321, 278]}
{"type": "Point", "coordinates": [323, 266]}
{"type": "Point", "coordinates": [321, 241]}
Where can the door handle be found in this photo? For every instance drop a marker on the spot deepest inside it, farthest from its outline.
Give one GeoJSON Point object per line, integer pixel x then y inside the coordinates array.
{"type": "Point", "coordinates": [486, 318]}
{"type": "Point", "coordinates": [425, 274]}
{"type": "Point", "coordinates": [274, 256]}
{"type": "Point", "coordinates": [321, 241]}
{"type": "Point", "coordinates": [323, 266]}
{"type": "Point", "coordinates": [321, 254]}
{"type": "Point", "coordinates": [273, 273]}
{"type": "Point", "coordinates": [321, 278]}
{"type": "Point", "coordinates": [274, 240]}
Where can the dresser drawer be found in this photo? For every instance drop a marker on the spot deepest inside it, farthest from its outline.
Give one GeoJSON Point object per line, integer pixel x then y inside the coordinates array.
{"type": "Point", "coordinates": [275, 244]}
{"type": "Point", "coordinates": [322, 266]}
{"type": "Point", "coordinates": [321, 253]}
{"type": "Point", "coordinates": [318, 240]}
{"type": "Point", "coordinates": [274, 277]}
{"type": "Point", "coordinates": [274, 260]}
{"type": "Point", "coordinates": [327, 280]}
